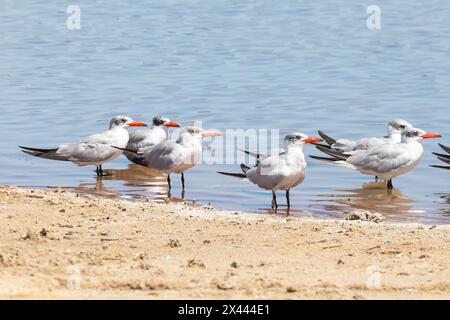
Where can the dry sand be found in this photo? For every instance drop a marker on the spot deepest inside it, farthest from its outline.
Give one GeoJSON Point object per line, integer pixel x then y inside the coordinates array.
{"type": "Point", "coordinates": [56, 244]}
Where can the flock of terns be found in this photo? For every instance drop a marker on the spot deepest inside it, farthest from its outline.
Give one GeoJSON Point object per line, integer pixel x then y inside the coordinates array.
{"type": "Point", "coordinates": [384, 157]}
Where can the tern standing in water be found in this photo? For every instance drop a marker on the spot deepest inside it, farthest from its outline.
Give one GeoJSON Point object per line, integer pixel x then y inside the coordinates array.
{"type": "Point", "coordinates": [281, 171]}
{"type": "Point", "coordinates": [94, 150]}
{"type": "Point", "coordinates": [174, 156]}
{"type": "Point", "coordinates": [387, 160]}
{"type": "Point", "coordinates": [395, 129]}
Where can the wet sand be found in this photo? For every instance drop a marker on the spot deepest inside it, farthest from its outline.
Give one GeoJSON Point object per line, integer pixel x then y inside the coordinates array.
{"type": "Point", "coordinates": [57, 244]}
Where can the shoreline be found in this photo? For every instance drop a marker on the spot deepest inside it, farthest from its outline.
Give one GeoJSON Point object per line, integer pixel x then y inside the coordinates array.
{"type": "Point", "coordinates": [60, 245]}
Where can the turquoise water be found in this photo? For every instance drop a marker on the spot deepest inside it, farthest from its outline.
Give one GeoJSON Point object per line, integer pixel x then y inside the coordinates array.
{"type": "Point", "coordinates": [300, 65]}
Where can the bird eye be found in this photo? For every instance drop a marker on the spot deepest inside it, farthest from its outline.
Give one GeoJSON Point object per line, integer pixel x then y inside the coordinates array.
{"type": "Point", "coordinates": [402, 127]}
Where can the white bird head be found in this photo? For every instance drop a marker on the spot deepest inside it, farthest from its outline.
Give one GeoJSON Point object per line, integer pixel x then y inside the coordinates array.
{"type": "Point", "coordinates": [297, 138]}
{"type": "Point", "coordinates": [124, 122]}
{"type": "Point", "coordinates": [397, 126]}
{"type": "Point", "coordinates": [164, 121]}
{"type": "Point", "coordinates": [415, 134]}
{"type": "Point", "coordinates": [201, 133]}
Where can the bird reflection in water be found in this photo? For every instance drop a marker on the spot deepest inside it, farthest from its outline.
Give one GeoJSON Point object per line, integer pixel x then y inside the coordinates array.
{"type": "Point", "coordinates": [96, 188]}
{"type": "Point", "coordinates": [138, 183]}
{"type": "Point", "coordinates": [445, 203]}
{"type": "Point", "coordinates": [373, 197]}
{"type": "Point", "coordinates": [284, 211]}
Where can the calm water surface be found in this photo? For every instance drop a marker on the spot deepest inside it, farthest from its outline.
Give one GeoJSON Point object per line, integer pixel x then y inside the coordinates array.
{"type": "Point", "coordinates": [304, 65]}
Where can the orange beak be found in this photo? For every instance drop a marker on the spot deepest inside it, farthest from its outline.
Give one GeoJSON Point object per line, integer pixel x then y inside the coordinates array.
{"type": "Point", "coordinates": [137, 124]}
{"type": "Point", "coordinates": [312, 140]}
{"type": "Point", "coordinates": [211, 134]}
{"type": "Point", "coordinates": [430, 135]}
{"type": "Point", "coordinates": [172, 124]}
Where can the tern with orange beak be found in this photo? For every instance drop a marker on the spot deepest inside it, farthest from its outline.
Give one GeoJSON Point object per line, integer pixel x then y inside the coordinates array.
{"type": "Point", "coordinates": [387, 160]}
{"type": "Point", "coordinates": [93, 150]}
{"type": "Point", "coordinates": [395, 129]}
{"type": "Point", "coordinates": [281, 171]}
{"type": "Point", "coordinates": [150, 136]}
{"type": "Point", "coordinates": [174, 156]}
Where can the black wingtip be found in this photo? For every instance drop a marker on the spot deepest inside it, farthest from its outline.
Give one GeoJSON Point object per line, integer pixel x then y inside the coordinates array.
{"type": "Point", "coordinates": [440, 167]}
{"type": "Point", "coordinates": [333, 153]}
{"type": "Point", "coordinates": [324, 159]}
{"type": "Point", "coordinates": [127, 150]}
{"type": "Point", "coordinates": [445, 148]}
{"type": "Point", "coordinates": [236, 175]}
{"type": "Point", "coordinates": [37, 149]}
{"type": "Point", "coordinates": [447, 156]}
{"type": "Point", "coordinates": [327, 138]}
{"type": "Point", "coordinates": [445, 160]}
{"type": "Point", "coordinates": [244, 168]}
{"type": "Point", "coordinates": [321, 145]}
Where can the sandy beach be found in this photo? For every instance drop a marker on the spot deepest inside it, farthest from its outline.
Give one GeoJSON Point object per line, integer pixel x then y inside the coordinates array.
{"type": "Point", "coordinates": [57, 244]}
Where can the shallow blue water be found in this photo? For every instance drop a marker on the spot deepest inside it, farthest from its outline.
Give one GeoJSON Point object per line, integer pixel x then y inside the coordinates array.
{"type": "Point", "coordinates": [300, 65]}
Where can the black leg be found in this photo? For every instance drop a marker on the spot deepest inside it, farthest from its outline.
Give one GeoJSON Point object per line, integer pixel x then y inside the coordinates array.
{"type": "Point", "coordinates": [100, 173]}
{"type": "Point", "coordinates": [274, 200]}
{"type": "Point", "coordinates": [169, 193]}
{"type": "Point", "coordinates": [390, 186]}
{"type": "Point", "coordinates": [182, 179]}
{"type": "Point", "coordinates": [168, 181]}
{"type": "Point", "coordinates": [288, 198]}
